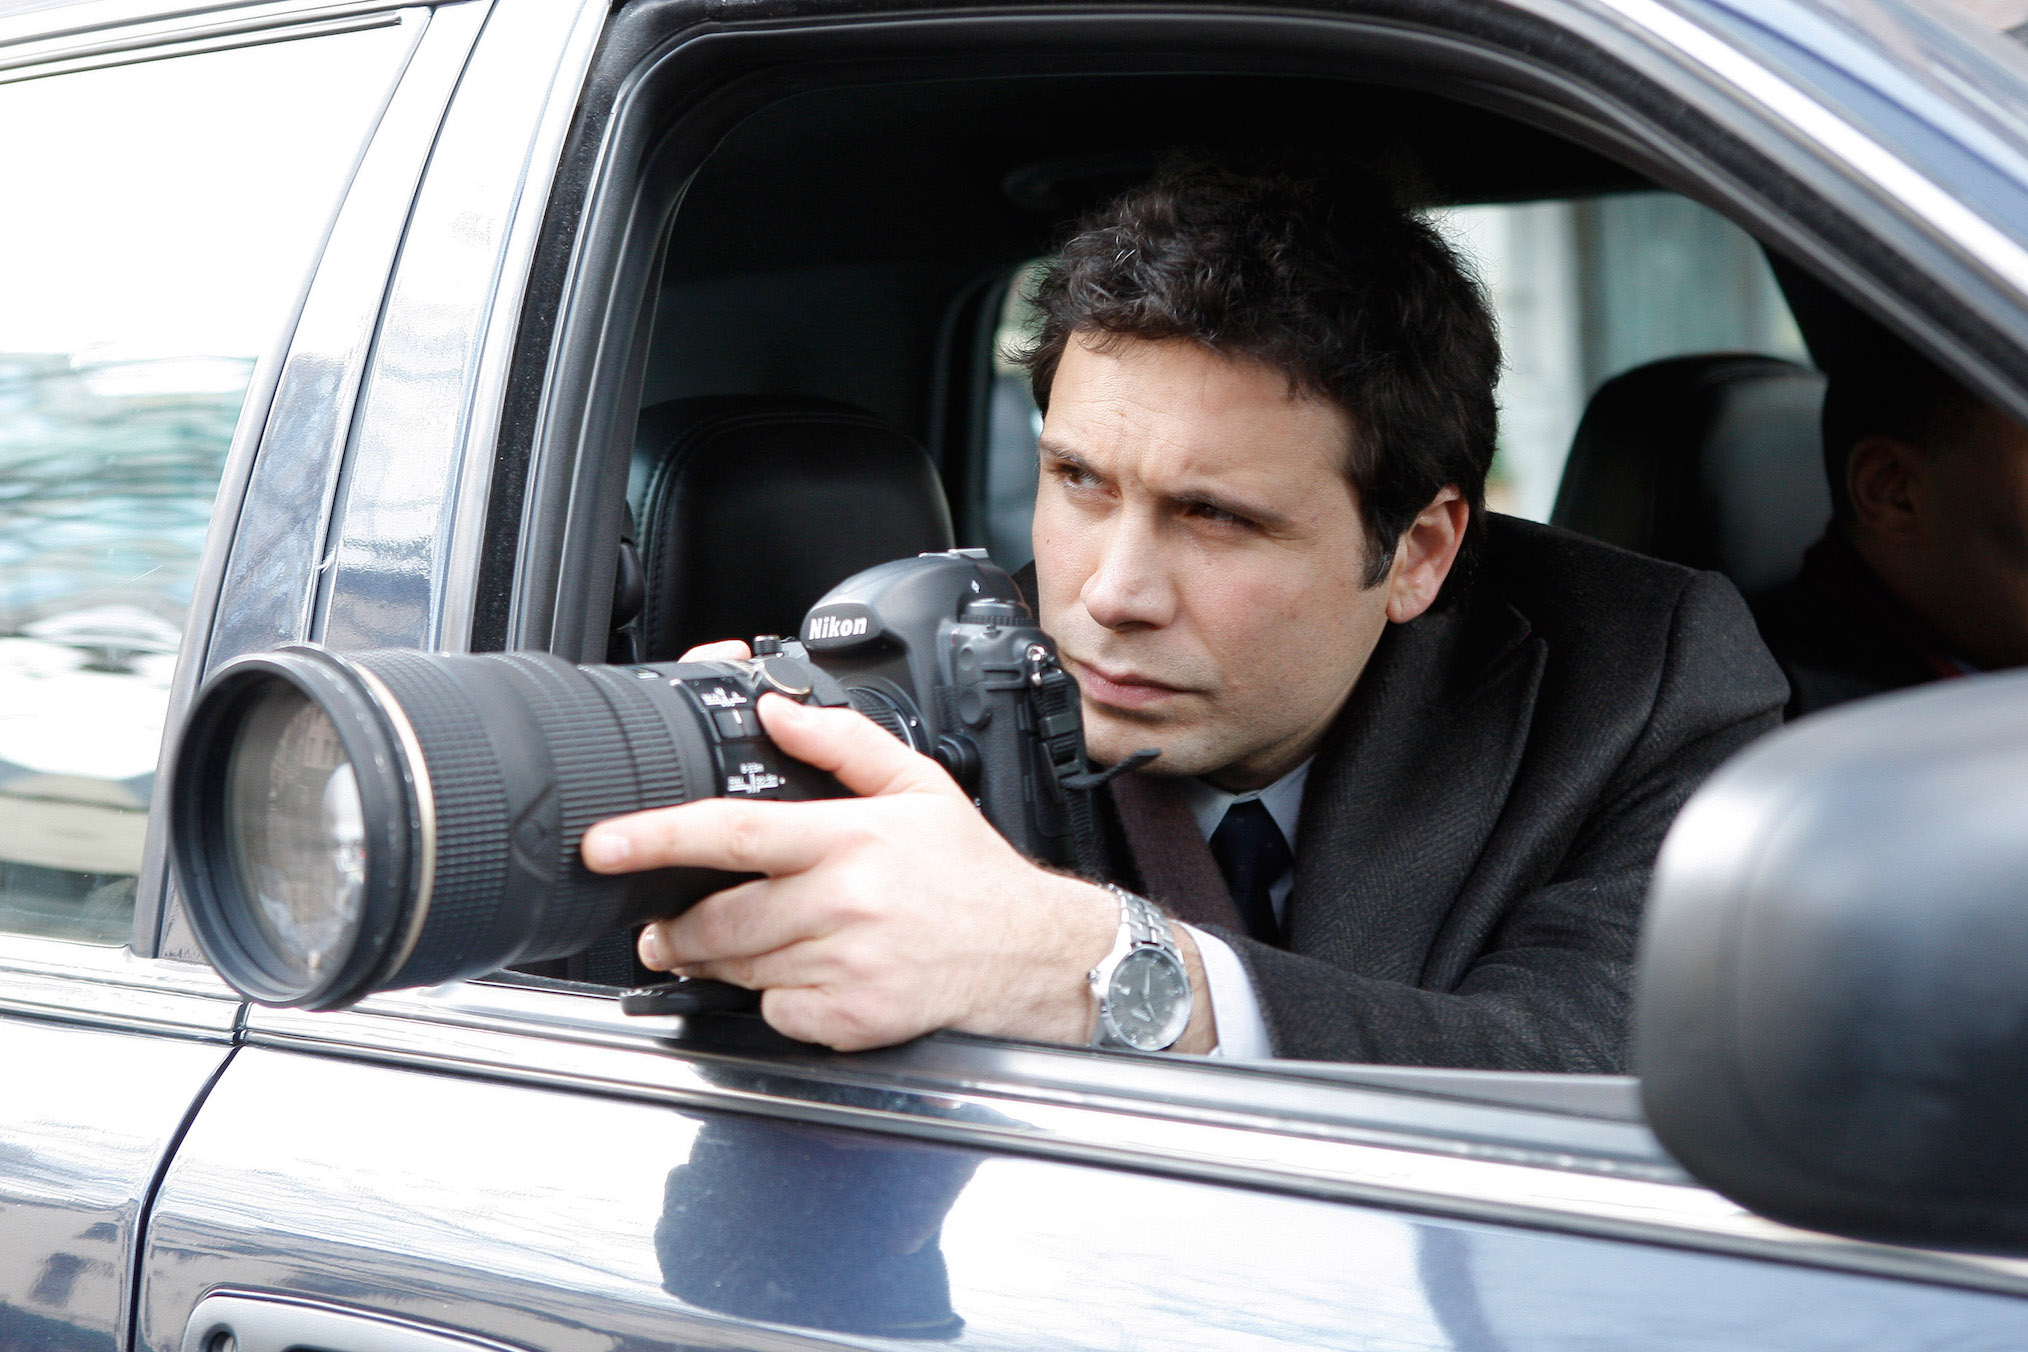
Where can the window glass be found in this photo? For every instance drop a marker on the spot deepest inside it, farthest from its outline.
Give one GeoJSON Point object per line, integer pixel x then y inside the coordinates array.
{"type": "Point", "coordinates": [1583, 291]}
{"type": "Point", "coordinates": [1013, 426]}
{"type": "Point", "coordinates": [163, 218]}
{"type": "Point", "coordinates": [1587, 289]}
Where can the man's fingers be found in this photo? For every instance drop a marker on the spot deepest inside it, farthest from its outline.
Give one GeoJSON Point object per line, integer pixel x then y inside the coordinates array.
{"type": "Point", "coordinates": [754, 917]}
{"type": "Point", "coordinates": [823, 1015]}
{"type": "Point", "coordinates": [851, 746]}
{"type": "Point", "coordinates": [803, 964]}
{"type": "Point", "coordinates": [725, 650]}
{"type": "Point", "coordinates": [732, 834]}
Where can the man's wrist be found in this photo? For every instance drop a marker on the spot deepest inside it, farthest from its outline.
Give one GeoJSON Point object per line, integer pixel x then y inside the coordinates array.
{"type": "Point", "coordinates": [1048, 996]}
{"type": "Point", "coordinates": [1142, 988]}
{"type": "Point", "coordinates": [1200, 1034]}
{"type": "Point", "coordinates": [1070, 928]}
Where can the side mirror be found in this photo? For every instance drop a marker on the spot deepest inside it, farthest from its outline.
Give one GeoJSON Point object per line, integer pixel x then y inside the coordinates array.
{"type": "Point", "coordinates": [1831, 1017]}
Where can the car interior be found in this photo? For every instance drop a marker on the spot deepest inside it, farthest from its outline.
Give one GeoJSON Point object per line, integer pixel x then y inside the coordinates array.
{"type": "Point", "coordinates": [820, 286]}
{"type": "Point", "coordinates": [827, 383]}
{"type": "Point", "coordinates": [828, 366]}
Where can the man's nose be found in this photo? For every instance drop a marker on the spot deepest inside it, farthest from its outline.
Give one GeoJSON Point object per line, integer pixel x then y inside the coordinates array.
{"type": "Point", "coordinates": [1131, 587]}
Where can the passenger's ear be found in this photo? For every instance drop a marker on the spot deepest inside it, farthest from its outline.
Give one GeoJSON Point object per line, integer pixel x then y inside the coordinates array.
{"type": "Point", "coordinates": [1424, 554]}
{"type": "Point", "coordinates": [1884, 476]}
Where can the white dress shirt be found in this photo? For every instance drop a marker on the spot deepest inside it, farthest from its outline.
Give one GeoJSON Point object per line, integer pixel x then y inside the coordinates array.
{"type": "Point", "coordinates": [1242, 1032]}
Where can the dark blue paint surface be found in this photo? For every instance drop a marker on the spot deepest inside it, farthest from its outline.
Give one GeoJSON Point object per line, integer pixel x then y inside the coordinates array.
{"type": "Point", "coordinates": [535, 1216]}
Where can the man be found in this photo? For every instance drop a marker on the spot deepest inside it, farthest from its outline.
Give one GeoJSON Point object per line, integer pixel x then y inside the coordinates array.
{"type": "Point", "coordinates": [1414, 767]}
{"type": "Point", "coordinates": [1923, 571]}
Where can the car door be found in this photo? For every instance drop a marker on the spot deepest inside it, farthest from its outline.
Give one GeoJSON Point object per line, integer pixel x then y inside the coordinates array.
{"type": "Point", "coordinates": [171, 184]}
{"type": "Point", "coordinates": [515, 1162]}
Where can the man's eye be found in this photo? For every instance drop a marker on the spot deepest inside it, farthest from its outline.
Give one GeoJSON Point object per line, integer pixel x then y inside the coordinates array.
{"type": "Point", "coordinates": [1205, 511]}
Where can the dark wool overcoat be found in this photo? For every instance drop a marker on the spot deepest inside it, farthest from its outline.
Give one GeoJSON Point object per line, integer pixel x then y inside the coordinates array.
{"type": "Point", "coordinates": [1479, 824]}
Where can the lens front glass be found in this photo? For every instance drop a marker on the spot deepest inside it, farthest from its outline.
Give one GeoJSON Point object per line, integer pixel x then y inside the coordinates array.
{"type": "Point", "coordinates": [296, 832]}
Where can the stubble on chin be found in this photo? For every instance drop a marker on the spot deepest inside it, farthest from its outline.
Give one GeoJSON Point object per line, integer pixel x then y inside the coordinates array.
{"type": "Point", "coordinates": [1111, 736]}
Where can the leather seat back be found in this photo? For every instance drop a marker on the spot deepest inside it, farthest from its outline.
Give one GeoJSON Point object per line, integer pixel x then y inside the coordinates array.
{"type": "Point", "coordinates": [1712, 461]}
{"type": "Point", "coordinates": [755, 506]}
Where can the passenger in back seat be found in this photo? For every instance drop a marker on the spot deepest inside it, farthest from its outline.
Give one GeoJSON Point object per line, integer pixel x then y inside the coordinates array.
{"type": "Point", "coordinates": [1923, 572]}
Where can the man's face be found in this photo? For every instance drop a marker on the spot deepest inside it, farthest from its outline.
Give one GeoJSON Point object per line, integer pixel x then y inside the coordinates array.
{"type": "Point", "coordinates": [1199, 558]}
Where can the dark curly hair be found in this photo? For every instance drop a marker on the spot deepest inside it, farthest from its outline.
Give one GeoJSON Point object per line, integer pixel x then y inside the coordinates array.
{"type": "Point", "coordinates": [1318, 276]}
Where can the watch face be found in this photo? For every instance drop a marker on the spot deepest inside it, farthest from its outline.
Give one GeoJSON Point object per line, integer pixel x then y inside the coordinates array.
{"type": "Point", "coordinates": [1148, 1002]}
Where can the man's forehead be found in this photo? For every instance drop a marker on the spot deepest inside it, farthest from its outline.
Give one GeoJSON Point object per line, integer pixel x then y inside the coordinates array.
{"type": "Point", "coordinates": [1178, 409]}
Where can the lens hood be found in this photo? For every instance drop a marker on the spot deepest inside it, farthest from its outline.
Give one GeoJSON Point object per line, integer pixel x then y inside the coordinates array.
{"type": "Point", "coordinates": [395, 801]}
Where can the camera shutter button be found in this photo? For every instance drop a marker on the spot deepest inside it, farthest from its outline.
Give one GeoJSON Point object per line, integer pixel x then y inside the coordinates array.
{"type": "Point", "coordinates": [784, 676]}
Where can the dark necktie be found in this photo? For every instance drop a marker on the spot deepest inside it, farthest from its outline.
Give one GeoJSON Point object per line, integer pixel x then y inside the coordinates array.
{"type": "Point", "coordinates": [1252, 854]}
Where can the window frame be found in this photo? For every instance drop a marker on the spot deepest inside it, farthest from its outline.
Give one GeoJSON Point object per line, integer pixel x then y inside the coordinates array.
{"type": "Point", "coordinates": [655, 105]}
{"type": "Point", "coordinates": [280, 469]}
{"type": "Point", "coordinates": [1478, 1145]}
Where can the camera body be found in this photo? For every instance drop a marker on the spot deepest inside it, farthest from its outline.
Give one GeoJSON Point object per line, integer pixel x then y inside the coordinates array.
{"type": "Point", "coordinates": [347, 824]}
{"type": "Point", "coordinates": [941, 651]}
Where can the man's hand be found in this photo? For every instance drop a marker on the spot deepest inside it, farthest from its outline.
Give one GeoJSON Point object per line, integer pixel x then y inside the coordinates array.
{"type": "Point", "coordinates": [882, 917]}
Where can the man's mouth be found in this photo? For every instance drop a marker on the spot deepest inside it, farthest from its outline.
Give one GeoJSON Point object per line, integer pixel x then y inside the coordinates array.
{"type": "Point", "coordinates": [1123, 690]}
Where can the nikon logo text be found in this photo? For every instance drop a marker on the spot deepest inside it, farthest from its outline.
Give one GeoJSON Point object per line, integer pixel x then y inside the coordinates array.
{"type": "Point", "coordinates": [834, 626]}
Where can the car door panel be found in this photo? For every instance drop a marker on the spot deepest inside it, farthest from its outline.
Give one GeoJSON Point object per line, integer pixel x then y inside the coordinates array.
{"type": "Point", "coordinates": [104, 1058]}
{"type": "Point", "coordinates": [540, 1217]}
{"type": "Point", "coordinates": [81, 1150]}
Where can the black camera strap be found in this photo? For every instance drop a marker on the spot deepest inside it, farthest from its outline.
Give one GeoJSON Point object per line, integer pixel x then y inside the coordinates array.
{"type": "Point", "coordinates": [1059, 721]}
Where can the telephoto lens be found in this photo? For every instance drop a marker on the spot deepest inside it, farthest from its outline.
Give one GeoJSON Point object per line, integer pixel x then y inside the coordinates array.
{"type": "Point", "coordinates": [347, 824]}
{"type": "Point", "coordinates": [341, 825]}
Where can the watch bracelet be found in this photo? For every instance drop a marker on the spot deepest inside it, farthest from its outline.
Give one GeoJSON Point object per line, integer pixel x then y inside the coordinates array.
{"type": "Point", "coordinates": [1144, 920]}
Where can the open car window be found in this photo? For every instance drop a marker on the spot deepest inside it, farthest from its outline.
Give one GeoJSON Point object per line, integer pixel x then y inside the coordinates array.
{"type": "Point", "coordinates": [826, 313]}
{"type": "Point", "coordinates": [807, 262]}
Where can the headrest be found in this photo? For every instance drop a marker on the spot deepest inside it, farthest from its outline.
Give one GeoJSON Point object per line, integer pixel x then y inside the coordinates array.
{"type": "Point", "coordinates": [1711, 461]}
{"type": "Point", "coordinates": [757, 505]}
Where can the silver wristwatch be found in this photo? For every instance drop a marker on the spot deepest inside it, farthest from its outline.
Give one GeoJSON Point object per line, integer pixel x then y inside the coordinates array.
{"type": "Point", "coordinates": [1142, 987]}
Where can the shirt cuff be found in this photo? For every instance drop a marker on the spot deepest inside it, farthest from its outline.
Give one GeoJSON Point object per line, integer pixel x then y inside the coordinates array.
{"type": "Point", "coordinates": [1242, 1032]}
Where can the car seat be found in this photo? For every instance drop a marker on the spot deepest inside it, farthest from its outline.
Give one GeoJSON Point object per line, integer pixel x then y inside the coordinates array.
{"type": "Point", "coordinates": [1714, 461]}
{"type": "Point", "coordinates": [754, 506]}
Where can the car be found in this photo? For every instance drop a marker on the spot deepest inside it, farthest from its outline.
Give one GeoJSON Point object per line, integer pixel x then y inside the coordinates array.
{"type": "Point", "coordinates": [379, 324]}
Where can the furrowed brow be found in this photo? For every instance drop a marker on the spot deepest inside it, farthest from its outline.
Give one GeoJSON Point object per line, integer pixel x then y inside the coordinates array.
{"type": "Point", "coordinates": [1263, 516]}
{"type": "Point", "coordinates": [1051, 450]}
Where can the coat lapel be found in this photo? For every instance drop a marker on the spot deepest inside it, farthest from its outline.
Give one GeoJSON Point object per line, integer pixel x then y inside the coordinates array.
{"type": "Point", "coordinates": [1175, 865]}
{"type": "Point", "coordinates": [1409, 783]}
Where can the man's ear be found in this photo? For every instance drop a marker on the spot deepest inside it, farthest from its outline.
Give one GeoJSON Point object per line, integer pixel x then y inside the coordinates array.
{"type": "Point", "coordinates": [1424, 554]}
{"type": "Point", "coordinates": [1884, 476]}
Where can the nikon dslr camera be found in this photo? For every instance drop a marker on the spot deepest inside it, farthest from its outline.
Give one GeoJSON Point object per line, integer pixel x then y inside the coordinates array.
{"type": "Point", "coordinates": [345, 825]}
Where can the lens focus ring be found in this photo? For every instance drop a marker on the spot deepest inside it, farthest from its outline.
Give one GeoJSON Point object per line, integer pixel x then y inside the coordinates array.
{"type": "Point", "coordinates": [470, 803]}
{"type": "Point", "coordinates": [598, 775]}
